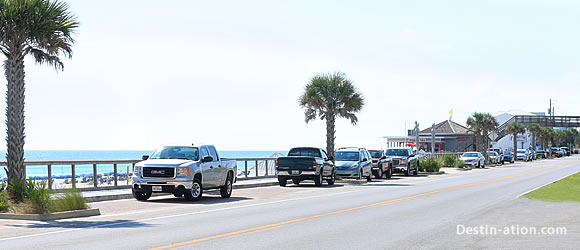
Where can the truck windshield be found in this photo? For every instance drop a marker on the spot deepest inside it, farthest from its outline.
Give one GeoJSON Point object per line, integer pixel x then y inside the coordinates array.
{"type": "Point", "coordinates": [375, 154]}
{"type": "Point", "coordinates": [312, 152]}
{"type": "Point", "coordinates": [470, 155]}
{"type": "Point", "coordinates": [346, 156]}
{"type": "Point", "coordinates": [183, 153]}
{"type": "Point", "coordinates": [397, 152]}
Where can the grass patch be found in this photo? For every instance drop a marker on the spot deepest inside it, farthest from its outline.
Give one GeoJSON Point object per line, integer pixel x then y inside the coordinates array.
{"type": "Point", "coordinates": [71, 200]}
{"type": "Point", "coordinates": [567, 189]}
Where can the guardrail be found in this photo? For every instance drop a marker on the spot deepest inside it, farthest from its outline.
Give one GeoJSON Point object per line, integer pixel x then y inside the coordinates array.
{"type": "Point", "coordinates": [439, 155]}
{"type": "Point", "coordinates": [103, 174]}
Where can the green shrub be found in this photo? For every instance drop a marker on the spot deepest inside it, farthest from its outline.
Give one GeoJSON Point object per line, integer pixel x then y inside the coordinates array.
{"type": "Point", "coordinates": [39, 196]}
{"type": "Point", "coordinates": [4, 205]}
{"type": "Point", "coordinates": [459, 163]}
{"type": "Point", "coordinates": [430, 165]}
{"type": "Point", "coordinates": [71, 200]}
{"type": "Point", "coordinates": [449, 160]}
{"type": "Point", "coordinates": [17, 190]}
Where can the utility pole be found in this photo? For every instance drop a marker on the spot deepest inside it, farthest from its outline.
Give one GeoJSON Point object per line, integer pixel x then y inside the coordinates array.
{"type": "Point", "coordinates": [417, 136]}
{"type": "Point", "coordinates": [433, 139]}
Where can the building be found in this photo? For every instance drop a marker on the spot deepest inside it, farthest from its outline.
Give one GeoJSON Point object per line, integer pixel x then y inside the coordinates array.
{"type": "Point", "coordinates": [449, 136]}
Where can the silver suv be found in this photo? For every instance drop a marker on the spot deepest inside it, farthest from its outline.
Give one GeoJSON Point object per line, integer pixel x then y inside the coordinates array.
{"type": "Point", "coordinates": [353, 163]}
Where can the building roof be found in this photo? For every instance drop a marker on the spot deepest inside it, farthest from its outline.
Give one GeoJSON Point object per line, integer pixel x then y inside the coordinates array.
{"type": "Point", "coordinates": [447, 127]}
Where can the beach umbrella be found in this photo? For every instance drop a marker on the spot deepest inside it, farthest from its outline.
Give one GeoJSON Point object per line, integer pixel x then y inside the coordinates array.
{"type": "Point", "coordinates": [5, 179]}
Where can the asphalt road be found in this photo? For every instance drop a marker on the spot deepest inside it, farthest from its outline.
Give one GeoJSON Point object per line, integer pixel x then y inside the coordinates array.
{"type": "Point", "coordinates": [404, 212]}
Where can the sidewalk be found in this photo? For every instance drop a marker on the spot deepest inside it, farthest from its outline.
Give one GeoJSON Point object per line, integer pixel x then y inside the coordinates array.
{"type": "Point", "coordinates": [116, 194]}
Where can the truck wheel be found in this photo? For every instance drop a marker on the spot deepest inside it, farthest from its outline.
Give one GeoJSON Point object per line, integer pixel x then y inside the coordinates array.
{"type": "Point", "coordinates": [408, 171]}
{"type": "Point", "coordinates": [196, 191]}
{"type": "Point", "coordinates": [390, 172]}
{"type": "Point", "coordinates": [141, 196]}
{"type": "Point", "coordinates": [332, 179]}
{"type": "Point", "coordinates": [318, 180]}
{"type": "Point", "coordinates": [282, 181]}
{"type": "Point", "coordinates": [416, 172]}
{"type": "Point", "coordinates": [296, 181]}
{"type": "Point", "coordinates": [178, 195]}
{"type": "Point", "coordinates": [226, 190]}
{"type": "Point", "coordinates": [369, 177]}
{"type": "Point", "coordinates": [379, 174]}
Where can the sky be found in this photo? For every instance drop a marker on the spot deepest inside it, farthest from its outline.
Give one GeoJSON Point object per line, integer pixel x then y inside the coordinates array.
{"type": "Point", "coordinates": [229, 73]}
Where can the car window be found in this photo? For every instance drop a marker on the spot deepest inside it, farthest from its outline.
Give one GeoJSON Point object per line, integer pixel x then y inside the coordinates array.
{"type": "Point", "coordinates": [312, 152]}
{"type": "Point", "coordinates": [213, 153]}
{"type": "Point", "coordinates": [170, 152]}
{"type": "Point", "coordinates": [396, 152]}
{"type": "Point", "coordinates": [324, 155]}
{"type": "Point", "coordinates": [346, 156]}
{"type": "Point", "coordinates": [204, 152]}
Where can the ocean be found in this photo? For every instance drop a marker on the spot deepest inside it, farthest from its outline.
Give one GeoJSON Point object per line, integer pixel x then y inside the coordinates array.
{"type": "Point", "coordinates": [63, 171]}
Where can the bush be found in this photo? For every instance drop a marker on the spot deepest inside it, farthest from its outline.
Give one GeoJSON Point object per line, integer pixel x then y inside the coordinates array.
{"type": "Point", "coordinates": [4, 204]}
{"type": "Point", "coordinates": [17, 190]}
{"type": "Point", "coordinates": [430, 165]}
{"type": "Point", "coordinates": [71, 200]}
{"type": "Point", "coordinates": [459, 163]}
{"type": "Point", "coordinates": [39, 196]}
{"type": "Point", "coordinates": [449, 160]}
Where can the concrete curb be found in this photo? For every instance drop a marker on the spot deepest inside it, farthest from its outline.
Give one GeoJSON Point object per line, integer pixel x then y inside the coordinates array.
{"type": "Point", "coordinates": [432, 173]}
{"type": "Point", "coordinates": [52, 216]}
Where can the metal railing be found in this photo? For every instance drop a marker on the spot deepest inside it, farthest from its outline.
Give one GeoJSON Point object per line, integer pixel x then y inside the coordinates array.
{"type": "Point", "coordinates": [103, 174]}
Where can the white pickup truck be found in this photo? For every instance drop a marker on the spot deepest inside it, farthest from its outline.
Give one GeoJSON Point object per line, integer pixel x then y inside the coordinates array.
{"type": "Point", "coordinates": [183, 171]}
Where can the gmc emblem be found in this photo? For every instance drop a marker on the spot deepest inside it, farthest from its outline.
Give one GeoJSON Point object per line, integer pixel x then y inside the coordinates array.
{"type": "Point", "coordinates": [157, 171]}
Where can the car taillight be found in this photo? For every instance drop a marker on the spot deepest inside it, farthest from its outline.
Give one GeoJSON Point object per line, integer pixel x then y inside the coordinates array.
{"type": "Point", "coordinates": [276, 163]}
{"type": "Point", "coordinates": [314, 163]}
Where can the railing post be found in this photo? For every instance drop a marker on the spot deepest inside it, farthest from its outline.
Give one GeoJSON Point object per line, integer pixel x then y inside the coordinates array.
{"type": "Point", "coordinates": [49, 177]}
{"type": "Point", "coordinates": [115, 174]}
{"type": "Point", "coordinates": [256, 167]}
{"type": "Point", "coordinates": [246, 169]}
{"type": "Point", "coordinates": [95, 181]}
{"type": "Point", "coordinates": [127, 177]}
{"type": "Point", "coordinates": [266, 167]}
{"type": "Point", "coordinates": [74, 179]}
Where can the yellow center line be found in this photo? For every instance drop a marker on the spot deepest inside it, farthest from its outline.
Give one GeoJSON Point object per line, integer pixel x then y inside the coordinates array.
{"type": "Point", "coordinates": [373, 205]}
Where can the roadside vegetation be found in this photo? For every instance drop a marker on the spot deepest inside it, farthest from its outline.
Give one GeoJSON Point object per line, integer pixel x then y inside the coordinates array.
{"type": "Point", "coordinates": [34, 198]}
{"type": "Point", "coordinates": [567, 189]}
{"type": "Point", "coordinates": [430, 165]}
{"type": "Point", "coordinates": [481, 124]}
{"type": "Point", "coordinates": [451, 161]}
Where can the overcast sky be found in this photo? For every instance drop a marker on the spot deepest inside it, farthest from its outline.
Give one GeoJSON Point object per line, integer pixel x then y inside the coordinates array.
{"type": "Point", "coordinates": [229, 73]}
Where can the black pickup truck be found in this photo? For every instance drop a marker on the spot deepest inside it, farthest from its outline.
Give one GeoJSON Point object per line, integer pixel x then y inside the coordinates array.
{"type": "Point", "coordinates": [305, 163]}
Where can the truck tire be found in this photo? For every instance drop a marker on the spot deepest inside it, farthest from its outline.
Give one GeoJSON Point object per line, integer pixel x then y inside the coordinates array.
{"type": "Point", "coordinates": [416, 172]}
{"type": "Point", "coordinates": [141, 196]}
{"type": "Point", "coordinates": [390, 172]}
{"type": "Point", "coordinates": [196, 191]}
{"type": "Point", "coordinates": [296, 181]}
{"type": "Point", "coordinates": [226, 190]}
{"type": "Point", "coordinates": [379, 174]}
{"type": "Point", "coordinates": [332, 179]}
{"type": "Point", "coordinates": [369, 176]}
{"type": "Point", "coordinates": [282, 181]}
{"type": "Point", "coordinates": [318, 180]}
{"type": "Point", "coordinates": [408, 171]}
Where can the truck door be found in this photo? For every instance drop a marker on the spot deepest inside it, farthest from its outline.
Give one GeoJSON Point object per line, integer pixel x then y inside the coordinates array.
{"type": "Point", "coordinates": [207, 169]}
{"type": "Point", "coordinates": [220, 171]}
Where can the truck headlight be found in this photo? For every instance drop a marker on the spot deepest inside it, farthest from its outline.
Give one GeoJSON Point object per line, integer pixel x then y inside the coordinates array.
{"type": "Point", "coordinates": [403, 161]}
{"type": "Point", "coordinates": [182, 171]}
{"type": "Point", "coordinates": [137, 170]}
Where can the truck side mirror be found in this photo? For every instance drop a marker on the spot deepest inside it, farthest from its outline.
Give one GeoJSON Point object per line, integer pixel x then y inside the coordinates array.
{"type": "Point", "coordinates": [145, 157]}
{"type": "Point", "coordinates": [331, 158]}
{"type": "Point", "coordinates": [383, 157]}
{"type": "Point", "coordinates": [207, 158]}
{"type": "Point", "coordinates": [364, 159]}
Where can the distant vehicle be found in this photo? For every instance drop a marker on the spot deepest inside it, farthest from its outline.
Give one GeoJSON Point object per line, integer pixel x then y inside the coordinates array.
{"type": "Point", "coordinates": [533, 155]}
{"type": "Point", "coordinates": [473, 159]}
{"type": "Point", "coordinates": [500, 152]}
{"type": "Point", "coordinates": [508, 156]}
{"type": "Point", "coordinates": [183, 171]}
{"type": "Point", "coordinates": [403, 160]}
{"type": "Point", "coordinates": [353, 163]}
{"type": "Point", "coordinates": [523, 155]}
{"type": "Point", "coordinates": [557, 152]}
{"type": "Point", "coordinates": [305, 163]}
{"type": "Point", "coordinates": [541, 154]}
{"type": "Point", "coordinates": [494, 157]}
{"type": "Point", "coordinates": [381, 165]}
{"type": "Point", "coordinates": [566, 149]}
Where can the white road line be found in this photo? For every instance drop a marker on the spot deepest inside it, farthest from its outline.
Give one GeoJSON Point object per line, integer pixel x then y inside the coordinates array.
{"type": "Point", "coordinates": [536, 188]}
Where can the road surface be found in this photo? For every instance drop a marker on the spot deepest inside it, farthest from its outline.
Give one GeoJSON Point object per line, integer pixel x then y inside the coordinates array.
{"type": "Point", "coordinates": [403, 212]}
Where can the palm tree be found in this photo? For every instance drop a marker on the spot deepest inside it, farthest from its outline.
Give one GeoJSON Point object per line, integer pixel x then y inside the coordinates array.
{"type": "Point", "coordinates": [535, 129]}
{"type": "Point", "coordinates": [482, 124]}
{"type": "Point", "coordinates": [328, 96]}
{"type": "Point", "coordinates": [515, 129]}
{"type": "Point", "coordinates": [42, 29]}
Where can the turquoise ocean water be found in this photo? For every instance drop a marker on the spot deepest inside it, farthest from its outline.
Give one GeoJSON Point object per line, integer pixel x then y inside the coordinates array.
{"type": "Point", "coordinates": [63, 171]}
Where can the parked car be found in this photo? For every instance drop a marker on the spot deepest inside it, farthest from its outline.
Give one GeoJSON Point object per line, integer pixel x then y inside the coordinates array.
{"type": "Point", "coordinates": [403, 160]}
{"type": "Point", "coordinates": [183, 171]}
{"type": "Point", "coordinates": [557, 152]}
{"type": "Point", "coordinates": [523, 155]}
{"type": "Point", "coordinates": [473, 159]}
{"type": "Point", "coordinates": [500, 152]}
{"type": "Point", "coordinates": [381, 165]}
{"type": "Point", "coordinates": [541, 154]}
{"type": "Point", "coordinates": [508, 156]}
{"type": "Point", "coordinates": [494, 157]}
{"type": "Point", "coordinates": [305, 163]}
{"type": "Point", "coordinates": [353, 163]}
{"type": "Point", "coordinates": [566, 150]}
{"type": "Point", "coordinates": [532, 155]}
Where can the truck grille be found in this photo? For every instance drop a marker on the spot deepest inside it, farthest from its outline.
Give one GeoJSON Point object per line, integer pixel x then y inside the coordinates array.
{"type": "Point", "coordinates": [158, 172]}
{"type": "Point", "coordinates": [395, 162]}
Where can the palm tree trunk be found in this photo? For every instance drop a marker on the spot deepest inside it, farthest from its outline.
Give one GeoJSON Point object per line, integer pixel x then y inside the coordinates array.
{"type": "Point", "coordinates": [485, 144]}
{"type": "Point", "coordinates": [515, 147]}
{"type": "Point", "coordinates": [330, 131]}
{"type": "Point", "coordinates": [14, 71]}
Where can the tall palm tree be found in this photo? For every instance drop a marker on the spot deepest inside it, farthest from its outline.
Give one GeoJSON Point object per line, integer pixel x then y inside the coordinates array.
{"type": "Point", "coordinates": [328, 96]}
{"type": "Point", "coordinates": [535, 129]}
{"type": "Point", "coordinates": [482, 124]}
{"type": "Point", "coordinates": [42, 29]}
{"type": "Point", "coordinates": [489, 124]}
{"type": "Point", "coordinates": [515, 129]}
{"type": "Point", "coordinates": [475, 124]}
